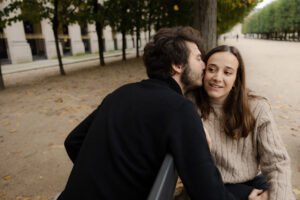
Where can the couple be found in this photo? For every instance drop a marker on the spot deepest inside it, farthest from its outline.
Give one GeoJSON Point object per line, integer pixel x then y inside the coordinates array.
{"type": "Point", "coordinates": [118, 149]}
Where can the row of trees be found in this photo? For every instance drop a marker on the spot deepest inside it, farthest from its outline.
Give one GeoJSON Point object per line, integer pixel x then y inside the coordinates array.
{"type": "Point", "coordinates": [129, 17]}
{"type": "Point", "coordinates": [280, 21]}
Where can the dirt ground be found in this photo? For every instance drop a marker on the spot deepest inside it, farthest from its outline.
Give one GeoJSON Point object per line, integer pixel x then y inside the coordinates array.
{"type": "Point", "coordinates": [39, 108]}
{"type": "Point", "coordinates": [37, 114]}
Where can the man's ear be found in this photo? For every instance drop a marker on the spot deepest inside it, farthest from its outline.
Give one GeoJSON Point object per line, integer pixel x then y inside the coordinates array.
{"type": "Point", "coordinates": [177, 68]}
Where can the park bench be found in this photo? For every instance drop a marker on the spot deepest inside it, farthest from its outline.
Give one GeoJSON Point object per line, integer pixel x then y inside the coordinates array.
{"type": "Point", "coordinates": [165, 182]}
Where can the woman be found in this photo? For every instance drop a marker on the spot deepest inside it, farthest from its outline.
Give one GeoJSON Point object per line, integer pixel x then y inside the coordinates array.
{"type": "Point", "coordinates": [245, 140]}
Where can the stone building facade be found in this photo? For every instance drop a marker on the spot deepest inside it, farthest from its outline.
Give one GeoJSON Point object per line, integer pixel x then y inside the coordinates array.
{"type": "Point", "coordinates": [23, 41]}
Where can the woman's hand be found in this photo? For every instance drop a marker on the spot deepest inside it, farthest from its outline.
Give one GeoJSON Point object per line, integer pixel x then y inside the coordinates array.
{"type": "Point", "coordinates": [257, 194]}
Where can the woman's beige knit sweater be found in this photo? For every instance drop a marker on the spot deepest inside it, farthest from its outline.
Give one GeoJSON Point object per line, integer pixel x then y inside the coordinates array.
{"type": "Point", "coordinates": [263, 150]}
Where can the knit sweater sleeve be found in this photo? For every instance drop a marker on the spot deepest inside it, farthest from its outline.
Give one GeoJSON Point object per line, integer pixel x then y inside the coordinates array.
{"type": "Point", "coordinates": [274, 159]}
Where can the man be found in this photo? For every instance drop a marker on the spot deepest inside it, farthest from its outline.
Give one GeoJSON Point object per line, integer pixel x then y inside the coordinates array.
{"type": "Point", "coordinates": [118, 149]}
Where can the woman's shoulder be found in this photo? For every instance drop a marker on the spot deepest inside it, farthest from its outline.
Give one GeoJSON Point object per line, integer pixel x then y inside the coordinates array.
{"type": "Point", "coordinates": [259, 105]}
{"type": "Point", "coordinates": [257, 100]}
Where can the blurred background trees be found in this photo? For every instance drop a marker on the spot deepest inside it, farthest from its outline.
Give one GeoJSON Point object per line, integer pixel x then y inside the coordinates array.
{"type": "Point", "coordinates": [131, 17]}
{"type": "Point", "coordinates": [278, 21]}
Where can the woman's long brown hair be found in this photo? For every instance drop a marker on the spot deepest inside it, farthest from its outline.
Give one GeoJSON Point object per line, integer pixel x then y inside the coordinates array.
{"type": "Point", "coordinates": [238, 119]}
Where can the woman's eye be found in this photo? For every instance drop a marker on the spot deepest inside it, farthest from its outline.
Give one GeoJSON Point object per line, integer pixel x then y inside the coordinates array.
{"type": "Point", "coordinates": [210, 69]}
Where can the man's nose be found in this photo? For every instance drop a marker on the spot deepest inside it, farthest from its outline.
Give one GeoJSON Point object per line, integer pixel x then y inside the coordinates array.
{"type": "Point", "coordinates": [202, 65]}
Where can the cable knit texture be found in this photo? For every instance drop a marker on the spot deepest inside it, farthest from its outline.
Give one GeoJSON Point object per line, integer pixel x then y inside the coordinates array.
{"type": "Point", "coordinates": [263, 150]}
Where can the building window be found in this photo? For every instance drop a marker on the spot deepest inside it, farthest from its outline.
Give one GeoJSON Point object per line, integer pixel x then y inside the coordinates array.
{"type": "Point", "coordinates": [28, 27]}
{"type": "Point", "coordinates": [65, 30]}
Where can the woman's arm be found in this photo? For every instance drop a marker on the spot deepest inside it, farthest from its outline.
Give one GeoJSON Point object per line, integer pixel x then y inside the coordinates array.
{"type": "Point", "coordinates": [274, 159]}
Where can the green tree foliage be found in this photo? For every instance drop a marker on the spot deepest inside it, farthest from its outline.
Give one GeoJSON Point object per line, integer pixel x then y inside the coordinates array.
{"type": "Point", "coordinates": [124, 16]}
{"type": "Point", "coordinates": [120, 16]}
{"type": "Point", "coordinates": [2, 86]}
{"type": "Point", "coordinates": [138, 12]}
{"type": "Point", "coordinates": [60, 13]}
{"type": "Point", "coordinates": [231, 12]}
{"type": "Point", "coordinates": [175, 13]}
{"type": "Point", "coordinates": [93, 11]}
{"type": "Point", "coordinates": [279, 20]}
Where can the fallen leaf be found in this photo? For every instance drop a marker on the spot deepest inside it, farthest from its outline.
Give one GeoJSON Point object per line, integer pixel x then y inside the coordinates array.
{"type": "Point", "coordinates": [41, 198]}
{"type": "Point", "coordinates": [284, 116]}
{"type": "Point", "coordinates": [16, 152]}
{"type": "Point", "coordinates": [296, 191]}
{"type": "Point", "coordinates": [23, 198]}
{"type": "Point", "coordinates": [7, 178]}
{"type": "Point", "coordinates": [2, 194]}
{"type": "Point", "coordinates": [29, 154]}
{"type": "Point", "coordinates": [56, 146]}
{"type": "Point", "coordinates": [6, 123]}
{"type": "Point", "coordinates": [59, 100]}
{"type": "Point", "coordinates": [12, 130]}
{"type": "Point", "coordinates": [30, 94]}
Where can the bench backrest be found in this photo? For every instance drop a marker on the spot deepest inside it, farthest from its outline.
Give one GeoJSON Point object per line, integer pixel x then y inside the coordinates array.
{"type": "Point", "coordinates": [165, 182]}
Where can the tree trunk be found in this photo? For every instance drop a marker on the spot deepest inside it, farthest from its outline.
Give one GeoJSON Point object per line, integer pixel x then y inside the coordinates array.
{"type": "Point", "coordinates": [55, 31]}
{"type": "Point", "coordinates": [205, 21]}
{"type": "Point", "coordinates": [137, 41]}
{"type": "Point", "coordinates": [149, 21]}
{"type": "Point", "coordinates": [2, 87]}
{"type": "Point", "coordinates": [294, 36]}
{"type": "Point", "coordinates": [99, 31]}
{"type": "Point", "coordinates": [123, 45]}
{"type": "Point", "coordinates": [137, 31]}
{"type": "Point", "coordinates": [149, 26]}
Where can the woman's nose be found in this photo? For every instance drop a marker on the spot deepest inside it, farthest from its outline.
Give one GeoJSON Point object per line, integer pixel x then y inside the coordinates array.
{"type": "Point", "coordinates": [217, 76]}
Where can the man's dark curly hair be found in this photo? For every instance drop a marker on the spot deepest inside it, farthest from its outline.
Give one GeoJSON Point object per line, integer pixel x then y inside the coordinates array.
{"type": "Point", "coordinates": [167, 47]}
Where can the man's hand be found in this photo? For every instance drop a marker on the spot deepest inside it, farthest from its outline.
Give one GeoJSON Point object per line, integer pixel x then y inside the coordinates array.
{"type": "Point", "coordinates": [257, 194]}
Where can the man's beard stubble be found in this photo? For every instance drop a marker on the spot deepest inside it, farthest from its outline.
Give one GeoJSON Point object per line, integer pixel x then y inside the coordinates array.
{"type": "Point", "coordinates": [187, 81]}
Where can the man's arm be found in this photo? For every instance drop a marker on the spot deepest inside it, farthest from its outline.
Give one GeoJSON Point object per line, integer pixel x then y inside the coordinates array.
{"type": "Point", "coordinates": [75, 139]}
{"type": "Point", "coordinates": [192, 157]}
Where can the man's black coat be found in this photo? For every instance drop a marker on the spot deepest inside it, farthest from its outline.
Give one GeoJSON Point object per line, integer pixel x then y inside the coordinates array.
{"type": "Point", "coordinates": [118, 149]}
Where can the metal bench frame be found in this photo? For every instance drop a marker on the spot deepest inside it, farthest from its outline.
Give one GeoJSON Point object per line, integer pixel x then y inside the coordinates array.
{"type": "Point", "coordinates": [165, 182]}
